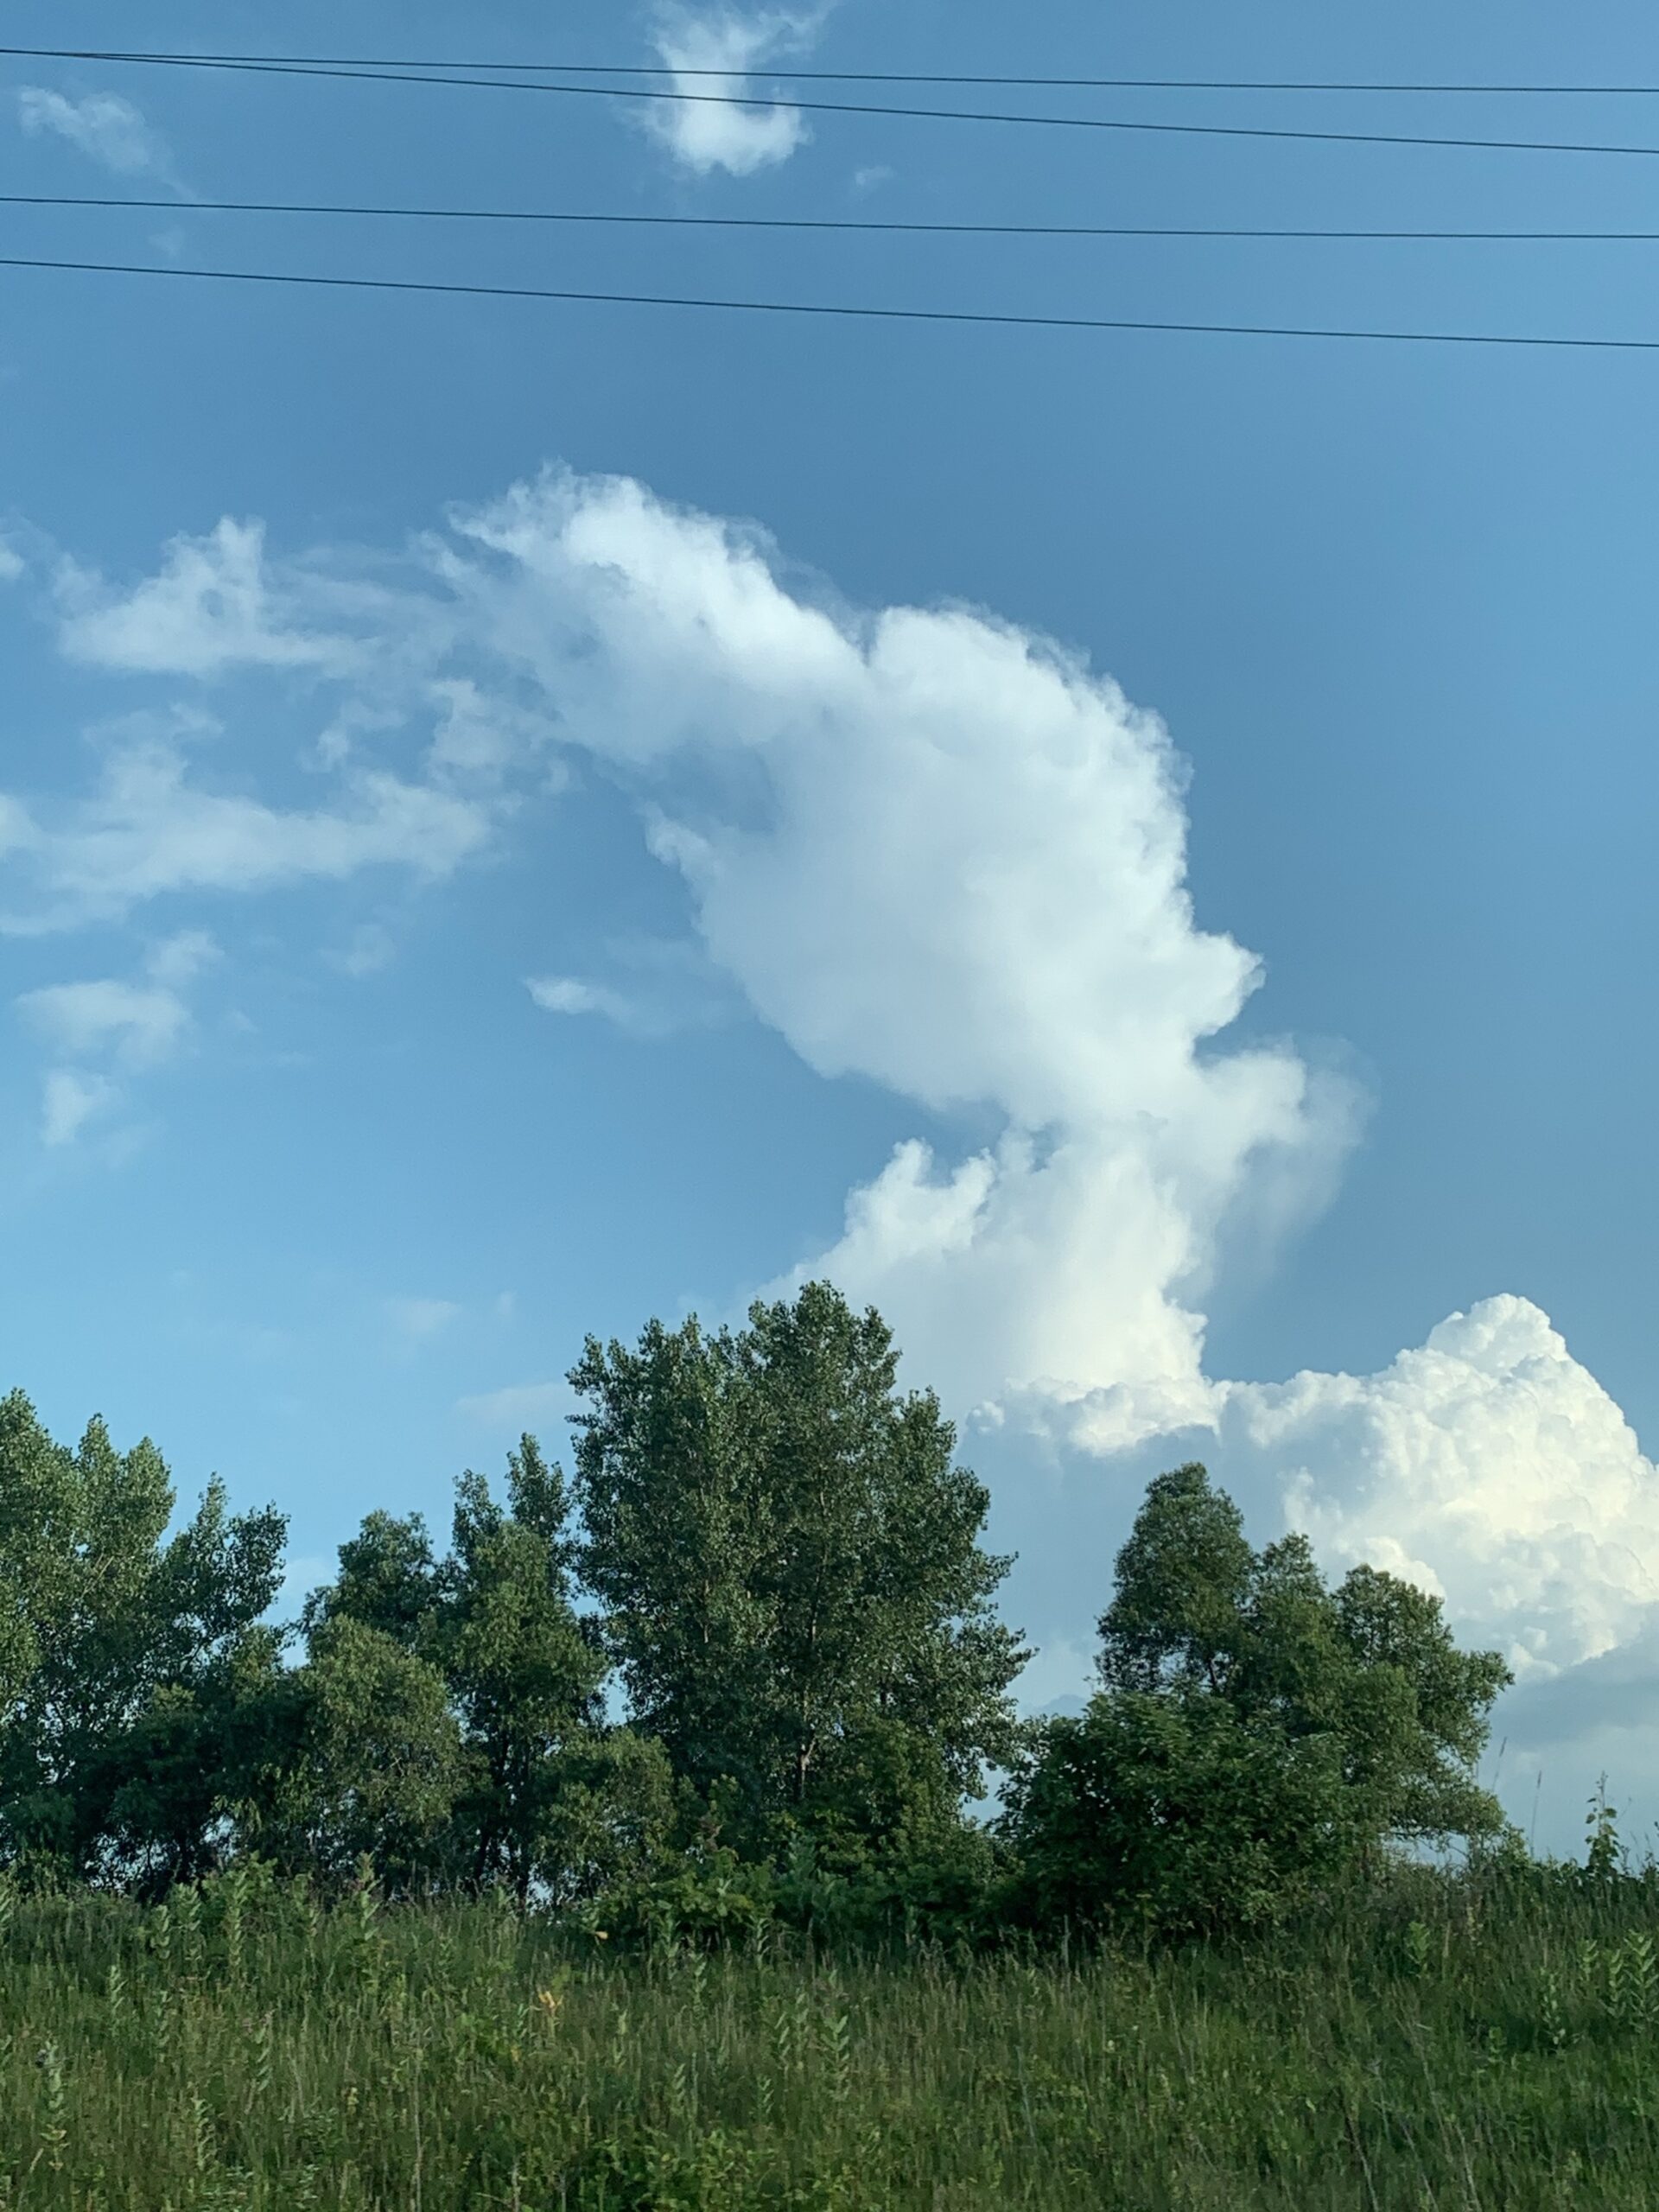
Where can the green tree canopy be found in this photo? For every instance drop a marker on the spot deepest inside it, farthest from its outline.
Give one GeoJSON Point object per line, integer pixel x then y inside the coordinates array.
{"type": "Point", "coordinates": [127, 1657]}
{"type": "Point", "coordinates": [790, 1563]}
{"type": "Point", "coordinates": [1256, 1733]}
{"type": "Point", "coordinates": [490, 1686]}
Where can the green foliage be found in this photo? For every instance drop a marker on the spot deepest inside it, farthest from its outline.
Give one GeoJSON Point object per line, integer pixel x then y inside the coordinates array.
{"type": "Point", "coordinates": [128, 1658]}
{"type": "Point", "coordinates": [1177, 1813]}
{"type": "Point", "coordinates": [454, 1726]}
{"type": "Point", "coordinates": [790, 1566]}
{"type": "Point", "coordinates": [1257, 1733]}
{"type": "Point", "coordinates": [380, 1762]}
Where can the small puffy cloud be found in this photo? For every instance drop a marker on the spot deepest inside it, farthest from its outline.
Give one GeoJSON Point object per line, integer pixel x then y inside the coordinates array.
{"type": "Point", "coordinates": [712, 55]}
{"type": "Point", "coordinates": [420, 1319]}
{"type": "Point", "coordinates": [1060, 1676]}
{"type": "Point", "coordinates": [11, 562]}
{"type": "Point", "coordinates": [107, 128]}
{"type": "Point", "coordinates": [17, 830]}
{"type": "Point", "coordinates": [568, 995]}
{"type": "Point", "coordinates": [69, 1099]}
{"type": "Point", "coordinates": [671, 988]}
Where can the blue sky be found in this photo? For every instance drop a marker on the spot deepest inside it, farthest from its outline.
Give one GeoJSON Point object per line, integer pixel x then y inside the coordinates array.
{"type": "Point", "coordinates": [1131, 851]}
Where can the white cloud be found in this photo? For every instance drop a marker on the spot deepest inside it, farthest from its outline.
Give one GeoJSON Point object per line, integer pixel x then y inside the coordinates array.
{"type": "Point", "coordinates": [701, 133]}
{"type": "Point", "coordinates": [141, 1026]}
{"type": "Point", "coordinates": [179, 959]}
{"type": "Point", "coordinates": [568, 995]}
{"type": "Point", "coordinates": [151, 828]}
{"type": "Point", "coordinates": [1488, 1466]}
{"type": "Point", "coordinates": [212, 608]}
{"type": "Point", "coordinates": [671, 987]}
{"type": "Point", "coordinates": [11, 562]}
{"type": "Point", "coordinates": [217, 606]}
{"type": "Point", "coordinates": [70, 1099]}
{"type": "Point", "coordinates": [129, 1026]}
{"type": "Point", "coordinates": [105, 127]}
{"type": "Point", "coordinates": [938, 852]}
{"type": "Point", "coordinates": [420, 1319]}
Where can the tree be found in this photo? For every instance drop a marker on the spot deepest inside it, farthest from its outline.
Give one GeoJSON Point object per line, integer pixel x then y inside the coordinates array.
{"type": "Point", "coordinates": [1256, 1734]}
{"type": "Point", "coordinates": [380, 1762]}
{"type": "Point", "coordinates": [491, 1687]}
{"type": "Point", "coordinates": [389, 1579]}
{"type": "Point", "coordinates": [528, 1676]}
{"type": "Point", "coordinates": [121, 1651]}
{"type": "Point", "coordinates": [790, 1563]}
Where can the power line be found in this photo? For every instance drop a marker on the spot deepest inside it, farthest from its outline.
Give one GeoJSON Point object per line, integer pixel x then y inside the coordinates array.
{"type": "Point", "coordinates": [809, 222]}
{"type": "Point", "coordinates": [821, 308]}
{"type": "Point", "coordinates": [379, 76]}
{"type": "Point", "coordinates": [866, 76]}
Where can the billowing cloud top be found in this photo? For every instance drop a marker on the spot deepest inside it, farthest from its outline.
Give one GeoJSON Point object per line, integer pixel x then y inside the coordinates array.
{"type": "Point", "coordinates": [1486, 1466]}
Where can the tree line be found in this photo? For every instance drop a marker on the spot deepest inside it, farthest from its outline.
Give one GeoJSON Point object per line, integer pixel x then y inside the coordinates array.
{"type": "Point", "coordinates": [747, 1651]}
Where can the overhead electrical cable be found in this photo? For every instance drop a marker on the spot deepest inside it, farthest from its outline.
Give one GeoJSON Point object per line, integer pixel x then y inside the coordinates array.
{"type": "Point", "coordinates": [862, 76]}
{"type": "Point", "coordinates": [321, 72]}
{"type": "Point", "coordinates": [836, 308]}
{"type": "Point", "coordinates": [832, 223]}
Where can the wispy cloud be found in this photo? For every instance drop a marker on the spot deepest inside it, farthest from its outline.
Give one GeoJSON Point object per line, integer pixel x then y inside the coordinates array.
{"type": "Point", "coordinates": [570, 994]}
{"type": "Point", "coordinates": [140, 1025]}
{"type": "Point", "coordinates": [714, 53]}
{"type": "Point", "coordinates": [69, 1100]}
{"type": "Point", "coordinates": [111, 1025]}
{"type": "Point", "coordinates": [370, 949]}
{"type": "Point", "coordinates": [211, 607]}
{"type": "Point", "coordinates": [520, 1405]}
{"type": "Point", "coordinates": [671, 987]}
{"type": "Point", "coordinates": [155, 827]}
{"type": "Point", "coordinates": [107, 128]}
{"type": "Point", "coordinates": [419, 1319]}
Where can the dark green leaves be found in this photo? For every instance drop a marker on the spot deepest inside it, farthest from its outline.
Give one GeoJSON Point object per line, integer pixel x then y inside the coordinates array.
{"type": "Point", "coordinates": [790, 1563]}
{"type": "Point", "coordinates": [1257, 1734]}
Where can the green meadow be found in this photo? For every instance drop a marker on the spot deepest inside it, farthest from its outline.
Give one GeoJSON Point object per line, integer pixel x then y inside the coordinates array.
{"type": "Point", "coordinates": [1473, 2039]}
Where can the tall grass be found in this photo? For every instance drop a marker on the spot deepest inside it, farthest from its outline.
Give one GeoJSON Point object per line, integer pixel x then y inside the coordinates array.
{"type": "Point", "coordinates": [1447, 2041]}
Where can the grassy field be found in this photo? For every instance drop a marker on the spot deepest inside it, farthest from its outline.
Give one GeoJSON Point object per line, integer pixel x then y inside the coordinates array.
{"type": "Point", "coordinates": [1449, 2044]}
